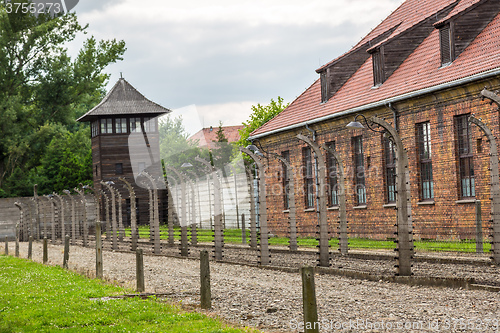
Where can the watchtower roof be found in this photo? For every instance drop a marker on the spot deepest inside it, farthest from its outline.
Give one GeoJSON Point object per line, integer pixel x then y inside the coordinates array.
{"type": "Point", "coordinates": [123, 99]}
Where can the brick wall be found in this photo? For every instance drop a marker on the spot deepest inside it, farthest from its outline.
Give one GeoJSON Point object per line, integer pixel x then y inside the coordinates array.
{"type": "Point", "coordinates": [448, 217]}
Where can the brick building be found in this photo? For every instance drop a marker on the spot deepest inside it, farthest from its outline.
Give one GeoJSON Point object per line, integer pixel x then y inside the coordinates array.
{"type": "Point", "coordinates": [207, 137]}
{"type": "Point", "coordinates": [422, 70]}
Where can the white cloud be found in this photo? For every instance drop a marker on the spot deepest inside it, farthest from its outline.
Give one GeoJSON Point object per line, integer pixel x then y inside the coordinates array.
{"type": "Point", "coordinates": [221, 54]}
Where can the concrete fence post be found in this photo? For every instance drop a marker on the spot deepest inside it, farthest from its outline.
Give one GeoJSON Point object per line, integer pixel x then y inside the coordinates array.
{"type": "Point", "coordinates": [45, 251]}
{"type": "Point", "coordinates": [30, 247]}
{"type": "Point", "coordinates": [205, 292]}
{"type": "Point", "coordinates": [184, 241]}
{"type": "Point", "coordinates": [6, 246]}
{"type": "Point", "coordinates": [66, 252]}
{"type": "Point", "coordinates": [243, 230]}
{"type": "Point", "coordinates": [309, 300]}
{"type": "Point", "coordinates": [265, 255]}
{"type": "Point", "coordinates": [479, 228]}
{"type": "Point", "coordinates": [324, 238]}
{"type": "Point", "coordinates": [139, 270]}
{"type": "Point", "coordinates": [17, 243]}
{"type": "Point", "coordinates": [98, 251]}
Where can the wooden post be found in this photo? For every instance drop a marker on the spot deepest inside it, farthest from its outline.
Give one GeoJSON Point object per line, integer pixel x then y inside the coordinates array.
{"type": "Point", "coordinates": [98, 251]}
{"type": "Point", "coordinates": [205, 292]}
{"type": "Point", "coordinates": [45, 251]}
{"type": "Point", "coordinates": [243, 230]}
{"type": "Point", "coordinates": [139, 270]}
{"type": "Point", "coordinates": [309, 300]}
{"type": "Point", "coordinates": [66, 252]}
{"type": "Point", "coordinates": [30, 247]}
{"type": "Point", "coordinates": [479, 228]}
{"type": "Point", "coordinates": [6, 246]}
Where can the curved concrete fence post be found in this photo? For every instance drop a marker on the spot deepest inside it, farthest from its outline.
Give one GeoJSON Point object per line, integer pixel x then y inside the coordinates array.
{"type": "Point", "coordinates": [324, 238]}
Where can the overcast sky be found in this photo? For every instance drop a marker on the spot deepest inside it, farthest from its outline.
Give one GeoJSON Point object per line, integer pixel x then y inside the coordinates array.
{"type": "Point", "coordinates": [212, 60]}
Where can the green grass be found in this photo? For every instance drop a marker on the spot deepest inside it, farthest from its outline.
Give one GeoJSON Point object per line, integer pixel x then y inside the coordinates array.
{"type": "Point", "coordinates": [38, 298]}
{"type": "Point", "coordinates": [234, 236]}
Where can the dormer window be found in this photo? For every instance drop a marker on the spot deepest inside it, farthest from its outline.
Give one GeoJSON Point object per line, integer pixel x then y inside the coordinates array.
{"type": "Point", "coordinates": [447, 44]}
{"type": "Point", "coordinates": [324, 87]}
{"type": "Point", "coordinates": [378, 67]}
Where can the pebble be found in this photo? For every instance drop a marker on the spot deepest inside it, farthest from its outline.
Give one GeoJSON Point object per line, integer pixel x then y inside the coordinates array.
{"type": "Point", "coordinates": [272, 300]}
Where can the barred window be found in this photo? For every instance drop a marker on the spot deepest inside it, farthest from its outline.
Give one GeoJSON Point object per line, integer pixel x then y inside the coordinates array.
{"type": "Point", "coordinates": [359, 178]}
{"type": "Point", "coordinates": [331, 164]}
{"type": "Point", "coordinates": [465, 160]}
{"type": "Point", "coordinates": [425, 161]}
{"type": "Point", "coordinates": [286, 182]}
{"type": "Point", "coordinates": [308, 177]}
{"type": "Point", "coordinates": [390, 171]}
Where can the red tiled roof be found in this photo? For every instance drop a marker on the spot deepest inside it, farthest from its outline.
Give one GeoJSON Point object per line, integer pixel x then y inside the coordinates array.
{"type": "Point", "coordinates": [409, 14]}
{"type": "Point", "coordinates": [460, 8]}
{"type": "Point", "coordinates": [208, 136]}
{"type": "Point", "coordinates": [421, 70]}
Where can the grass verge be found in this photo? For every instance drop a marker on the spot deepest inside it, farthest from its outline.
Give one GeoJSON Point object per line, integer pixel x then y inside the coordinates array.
{"type": "Point", "coordinates": [38, 298]}
{"type": "Point", "coordinates": [234, 236]}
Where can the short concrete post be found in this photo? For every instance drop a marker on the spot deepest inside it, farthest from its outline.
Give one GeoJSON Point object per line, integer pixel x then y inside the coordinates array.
{"type": "Point", "coordinates": [479, 228]}
{"type": "Point", "coordinates": [184, 241]}
{"type": "Point", "coordinates": [30, 247]}
{"type": "Point", "coordinates": [6, 246]}
{"type": "Point", "coordinates": [205, 292]}
{"type": "Point", "coordinates": [45, 251]}
{"type": "Point", "coordinates": [243, 230]}
{"type": "Point", "coordinates": [66, 252]}
{"type": "Point", "coordinates": [17, 247]}
{"type": "Point", "coordinates": [98, 251]}
{"type": "Point", "coordinates": [139, 270]}
{"type": "Point", "coordinates": [309, 300]}
{"type": "Point", "coordinates": [194, 234]}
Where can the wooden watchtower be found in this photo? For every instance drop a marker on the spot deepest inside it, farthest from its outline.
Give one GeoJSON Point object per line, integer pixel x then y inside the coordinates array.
{"type": "Point", "coordinates": [125, 141]}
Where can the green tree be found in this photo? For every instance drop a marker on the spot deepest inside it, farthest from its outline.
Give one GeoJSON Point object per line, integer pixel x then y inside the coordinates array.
{"type": "Point", "coordinates": [260, 115]}
{"type": "Point", "coordinates": [223, 153]}
{"type": "Point", "coordinates": [175, 148]}
{"type": "Point", "coordinates": [43, 91]}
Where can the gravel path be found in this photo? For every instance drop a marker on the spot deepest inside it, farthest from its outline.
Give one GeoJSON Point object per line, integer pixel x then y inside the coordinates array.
{"type": "Point", "coordinates": [272, 301]}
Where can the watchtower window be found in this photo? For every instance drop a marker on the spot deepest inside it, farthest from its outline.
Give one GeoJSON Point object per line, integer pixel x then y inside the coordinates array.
{"type": "Point", "coordinates": [135, 125]}
{"type": "Point", "coordinates": [95, 128]}
{"type": "Point", "coordinates": [106, 126]}
{"type": "Point", "coordinates": [121, 125]}
{"type": "Point", "coordinates": [119, 168]}
{"type": "Point", "coordinates": [447, 44]}
{"type": "Point", "coordinates": [150, 124]}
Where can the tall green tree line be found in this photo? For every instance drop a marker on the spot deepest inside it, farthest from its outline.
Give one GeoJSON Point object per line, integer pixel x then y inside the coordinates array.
{"type": "Point", "coordinates": [42, 93]}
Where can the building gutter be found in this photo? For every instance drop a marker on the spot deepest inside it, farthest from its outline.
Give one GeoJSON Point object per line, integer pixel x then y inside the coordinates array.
{"type": "Point", "coordinates": [447, 85]}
